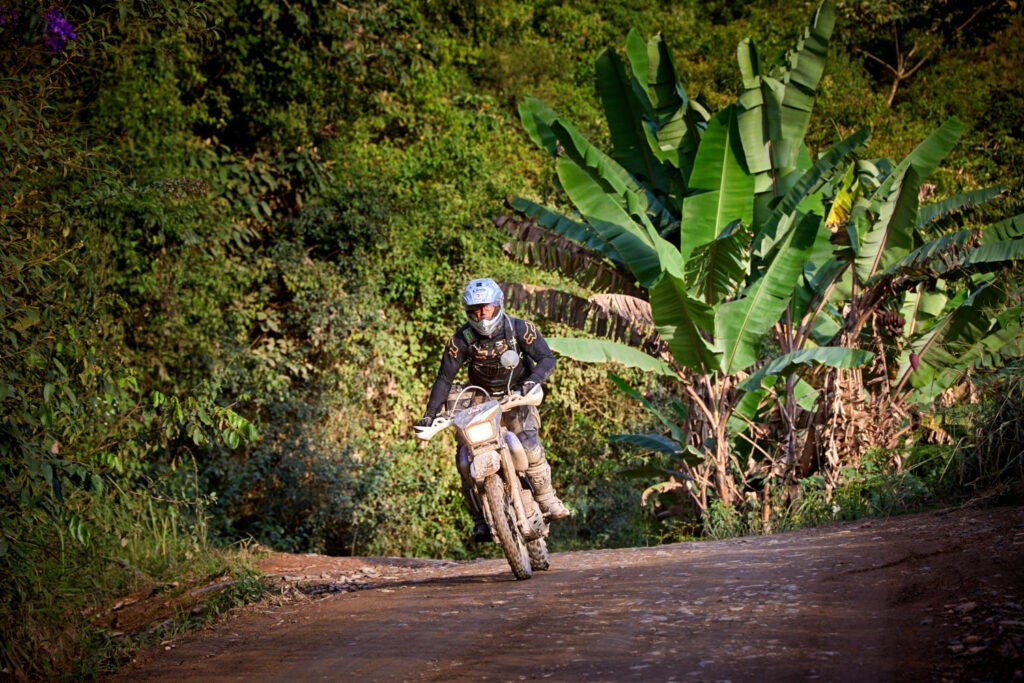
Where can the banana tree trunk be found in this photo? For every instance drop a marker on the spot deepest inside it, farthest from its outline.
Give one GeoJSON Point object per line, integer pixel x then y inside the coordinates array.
{"type": "Point", "coordinates": [711, 398]}
{"type": "Point", "coordinates": [725, 485]}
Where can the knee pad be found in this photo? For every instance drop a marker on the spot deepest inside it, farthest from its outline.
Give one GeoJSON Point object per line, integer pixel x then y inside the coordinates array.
{"type": "Point", "coordinates": [524, 422]}
{"type": "Point", "coordinates": [534, 450]}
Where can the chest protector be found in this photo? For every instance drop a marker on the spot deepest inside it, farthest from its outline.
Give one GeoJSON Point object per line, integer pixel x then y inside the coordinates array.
{"type": "Point", "coordinates": [485, 368]}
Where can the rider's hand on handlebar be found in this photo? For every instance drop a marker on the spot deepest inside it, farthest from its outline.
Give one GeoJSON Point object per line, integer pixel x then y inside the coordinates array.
{"type": "Point", "coordinates": [425, 421]}
{"type": "Point", "coordinates": [527, 388]}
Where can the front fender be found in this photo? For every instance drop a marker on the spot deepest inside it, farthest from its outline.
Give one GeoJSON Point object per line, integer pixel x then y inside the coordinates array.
{"type": "Point", "coordinates": [484, 464]}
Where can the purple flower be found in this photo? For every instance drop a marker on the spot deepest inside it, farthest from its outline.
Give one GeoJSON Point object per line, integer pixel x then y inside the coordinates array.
{"type": "Point", "coordinates": [59, 31]}
{"type": "Point", "coordinates": [8, 15]}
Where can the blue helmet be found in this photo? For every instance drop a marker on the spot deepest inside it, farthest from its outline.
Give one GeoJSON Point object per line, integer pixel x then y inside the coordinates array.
{"type": "Point", "coordinates": [480, 292]}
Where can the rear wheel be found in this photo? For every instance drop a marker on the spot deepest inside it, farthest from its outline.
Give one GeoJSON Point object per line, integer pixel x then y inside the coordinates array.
{"type": "Point", "coordinates": [508, 535]}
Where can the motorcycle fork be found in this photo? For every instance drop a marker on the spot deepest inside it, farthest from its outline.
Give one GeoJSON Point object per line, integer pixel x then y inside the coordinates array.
{"type": "Point", "coordinates": [463, 459]}
{"type": "Point", "coordinates": [515, 492]}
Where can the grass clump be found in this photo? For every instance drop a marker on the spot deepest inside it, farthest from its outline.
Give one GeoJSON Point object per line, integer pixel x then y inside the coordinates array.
{"type": "Point", "coordinates": [76, 607]}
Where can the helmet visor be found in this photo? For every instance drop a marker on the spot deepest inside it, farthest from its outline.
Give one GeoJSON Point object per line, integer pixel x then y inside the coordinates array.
{"type": "Point", "coordinates": [482, 311]}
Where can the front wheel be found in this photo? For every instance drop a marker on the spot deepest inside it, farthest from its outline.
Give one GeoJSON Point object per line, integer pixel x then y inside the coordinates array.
{"type": "Point", "coordinates": [539, 558]}
{"type": "Point", "coordinates": [508, 535]}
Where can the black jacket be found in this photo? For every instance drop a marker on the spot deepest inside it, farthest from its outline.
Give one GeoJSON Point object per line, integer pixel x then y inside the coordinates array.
{"type": "Point", "coordinates": [484, 357]}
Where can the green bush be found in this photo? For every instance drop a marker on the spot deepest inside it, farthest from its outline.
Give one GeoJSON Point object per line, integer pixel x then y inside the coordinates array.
{"type": "Point", "coordinates": [992, 455]}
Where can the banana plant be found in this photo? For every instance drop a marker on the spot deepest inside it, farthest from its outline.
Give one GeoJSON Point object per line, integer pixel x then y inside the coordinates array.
{"type": "Point", "coordinates": [676, 204]}
{"type": "Point", "coordinates": [866, 295]}
{"type": "Point", "coordinates": [931, 308]}
{"type": "Point", "coordinates": [763, 266]}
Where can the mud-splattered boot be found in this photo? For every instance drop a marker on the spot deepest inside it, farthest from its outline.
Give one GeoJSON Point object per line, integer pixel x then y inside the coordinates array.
{"type": "Point", "coordinates": [539, 475]}
{"type": "Point", "coordinates": [481, 532]}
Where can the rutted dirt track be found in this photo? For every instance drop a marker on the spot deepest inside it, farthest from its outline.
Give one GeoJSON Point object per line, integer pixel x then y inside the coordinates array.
{"type": "Point", "coordinates": [927, 597]}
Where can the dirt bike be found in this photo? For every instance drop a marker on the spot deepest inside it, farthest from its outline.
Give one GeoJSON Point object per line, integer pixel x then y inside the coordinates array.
{"type": "Point", "coordinates": [498, 469]}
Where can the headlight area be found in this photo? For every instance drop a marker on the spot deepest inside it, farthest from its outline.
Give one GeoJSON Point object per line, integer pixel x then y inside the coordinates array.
{"type": "Point", "coordinates": [484, 427]}
{"type": "Point", "coordinates": [480, 432]}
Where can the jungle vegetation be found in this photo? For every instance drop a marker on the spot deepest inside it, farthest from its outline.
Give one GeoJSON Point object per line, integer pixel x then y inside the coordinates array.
{"type": "Point", "coordinates": [233, 234]}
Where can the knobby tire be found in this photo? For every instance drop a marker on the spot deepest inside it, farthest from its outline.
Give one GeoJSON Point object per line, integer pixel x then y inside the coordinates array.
{"type": "Point", "coordinates": [508, 535]}
{"type": "Point", "coordinates": [539, 558]}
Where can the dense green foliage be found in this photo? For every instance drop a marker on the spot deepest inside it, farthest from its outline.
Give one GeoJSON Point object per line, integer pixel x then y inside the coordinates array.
{"type": "Point", "coordinates": [807, 305]}
{"type": "Point", "coordinates": [231, 238]}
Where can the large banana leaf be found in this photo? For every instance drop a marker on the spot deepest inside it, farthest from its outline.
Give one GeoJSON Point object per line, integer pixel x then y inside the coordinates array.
{"type": "Point", "coordinates": [717, 270]}
{"type": "Point", "coordinates": [776, 106]}
{"type": "Point", "coordinates": [824, 268]}
{"type": "Point", "coordinates": [995, 253]}
{"type": "Point", "coordinates": [628, 112]}
{"type": "Point", "coordinates": [536, 246]}
{"type": "Point", "coordinates": [966, 250]}
{"type": "Point", "coordinates": [605, 351]}
{"type": "Point", "coordinates": [742, 325]}
{"type": "Point", "coordinates": [677, 120]}
{"type": "Point", "coordinates": [1004, 229]}
{"type": "Point", "coordinates": [611, 221]}
{"type": "Point", "coordinates": [937, 210]}
{"type": "Point", "coordinates": [619, 317]}
{"type": "Point", "coordinates": [802, 73]}
{"type": "Point", "coordinates": [558, 137]}
{"type": "Point", "coordinates": [961, 339]}
{"type": "Point", "coordinates": [927, 156]}
{"type": "Point", "coordinates": [537, 118]}
{"type": "Point", "coordinates": [932, 258]}
{"type": "Point", "coordinates": [595, 183]}
{"type": "Point", "coordinates": [891, 236]}
{"type": "Point", "coordinates": [758, 117]}
{"type": "Point", "coordinates": [637, 197]}
{"type": "Point", "coordinates": [811, 182]}
{"type": "Point", "coordinates": [577, 231]}
{"type": "Point", "coordinates": [722, 192]}
{"type": "Point", "coordinates": [685, 324]}
{"type": "Point", "coordinates": [655, 128]}
{"type": "Point", "coordinates": [600, 174]}
{"type": "Point", "coordinates": [784, 365]}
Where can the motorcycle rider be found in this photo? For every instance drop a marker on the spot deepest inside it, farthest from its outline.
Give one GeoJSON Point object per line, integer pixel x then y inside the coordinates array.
{"type": "Point", "coordinates": [485, 342]}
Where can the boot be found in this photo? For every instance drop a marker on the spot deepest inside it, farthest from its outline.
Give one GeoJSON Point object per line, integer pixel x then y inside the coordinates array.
{"type": "Point", "coordinates": [481, 532]}
{"type": "Point", "coordinates": [552, 506]}
{"type": "Point", "coordinates": [539, 475]}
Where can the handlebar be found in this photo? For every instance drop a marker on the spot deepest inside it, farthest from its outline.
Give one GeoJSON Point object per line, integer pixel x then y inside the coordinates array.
{"type": "Point", "coordinates": [513, 400]}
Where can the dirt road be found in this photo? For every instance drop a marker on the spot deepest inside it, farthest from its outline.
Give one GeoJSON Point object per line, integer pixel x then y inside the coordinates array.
{"type": "Point", "coordinates": [927, 597]}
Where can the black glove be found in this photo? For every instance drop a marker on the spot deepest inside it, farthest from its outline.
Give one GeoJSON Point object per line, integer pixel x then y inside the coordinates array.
{"type": "Point", "coordinates": [527, 388]}
{"type": "Point", "coordinates": [425, 421]}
